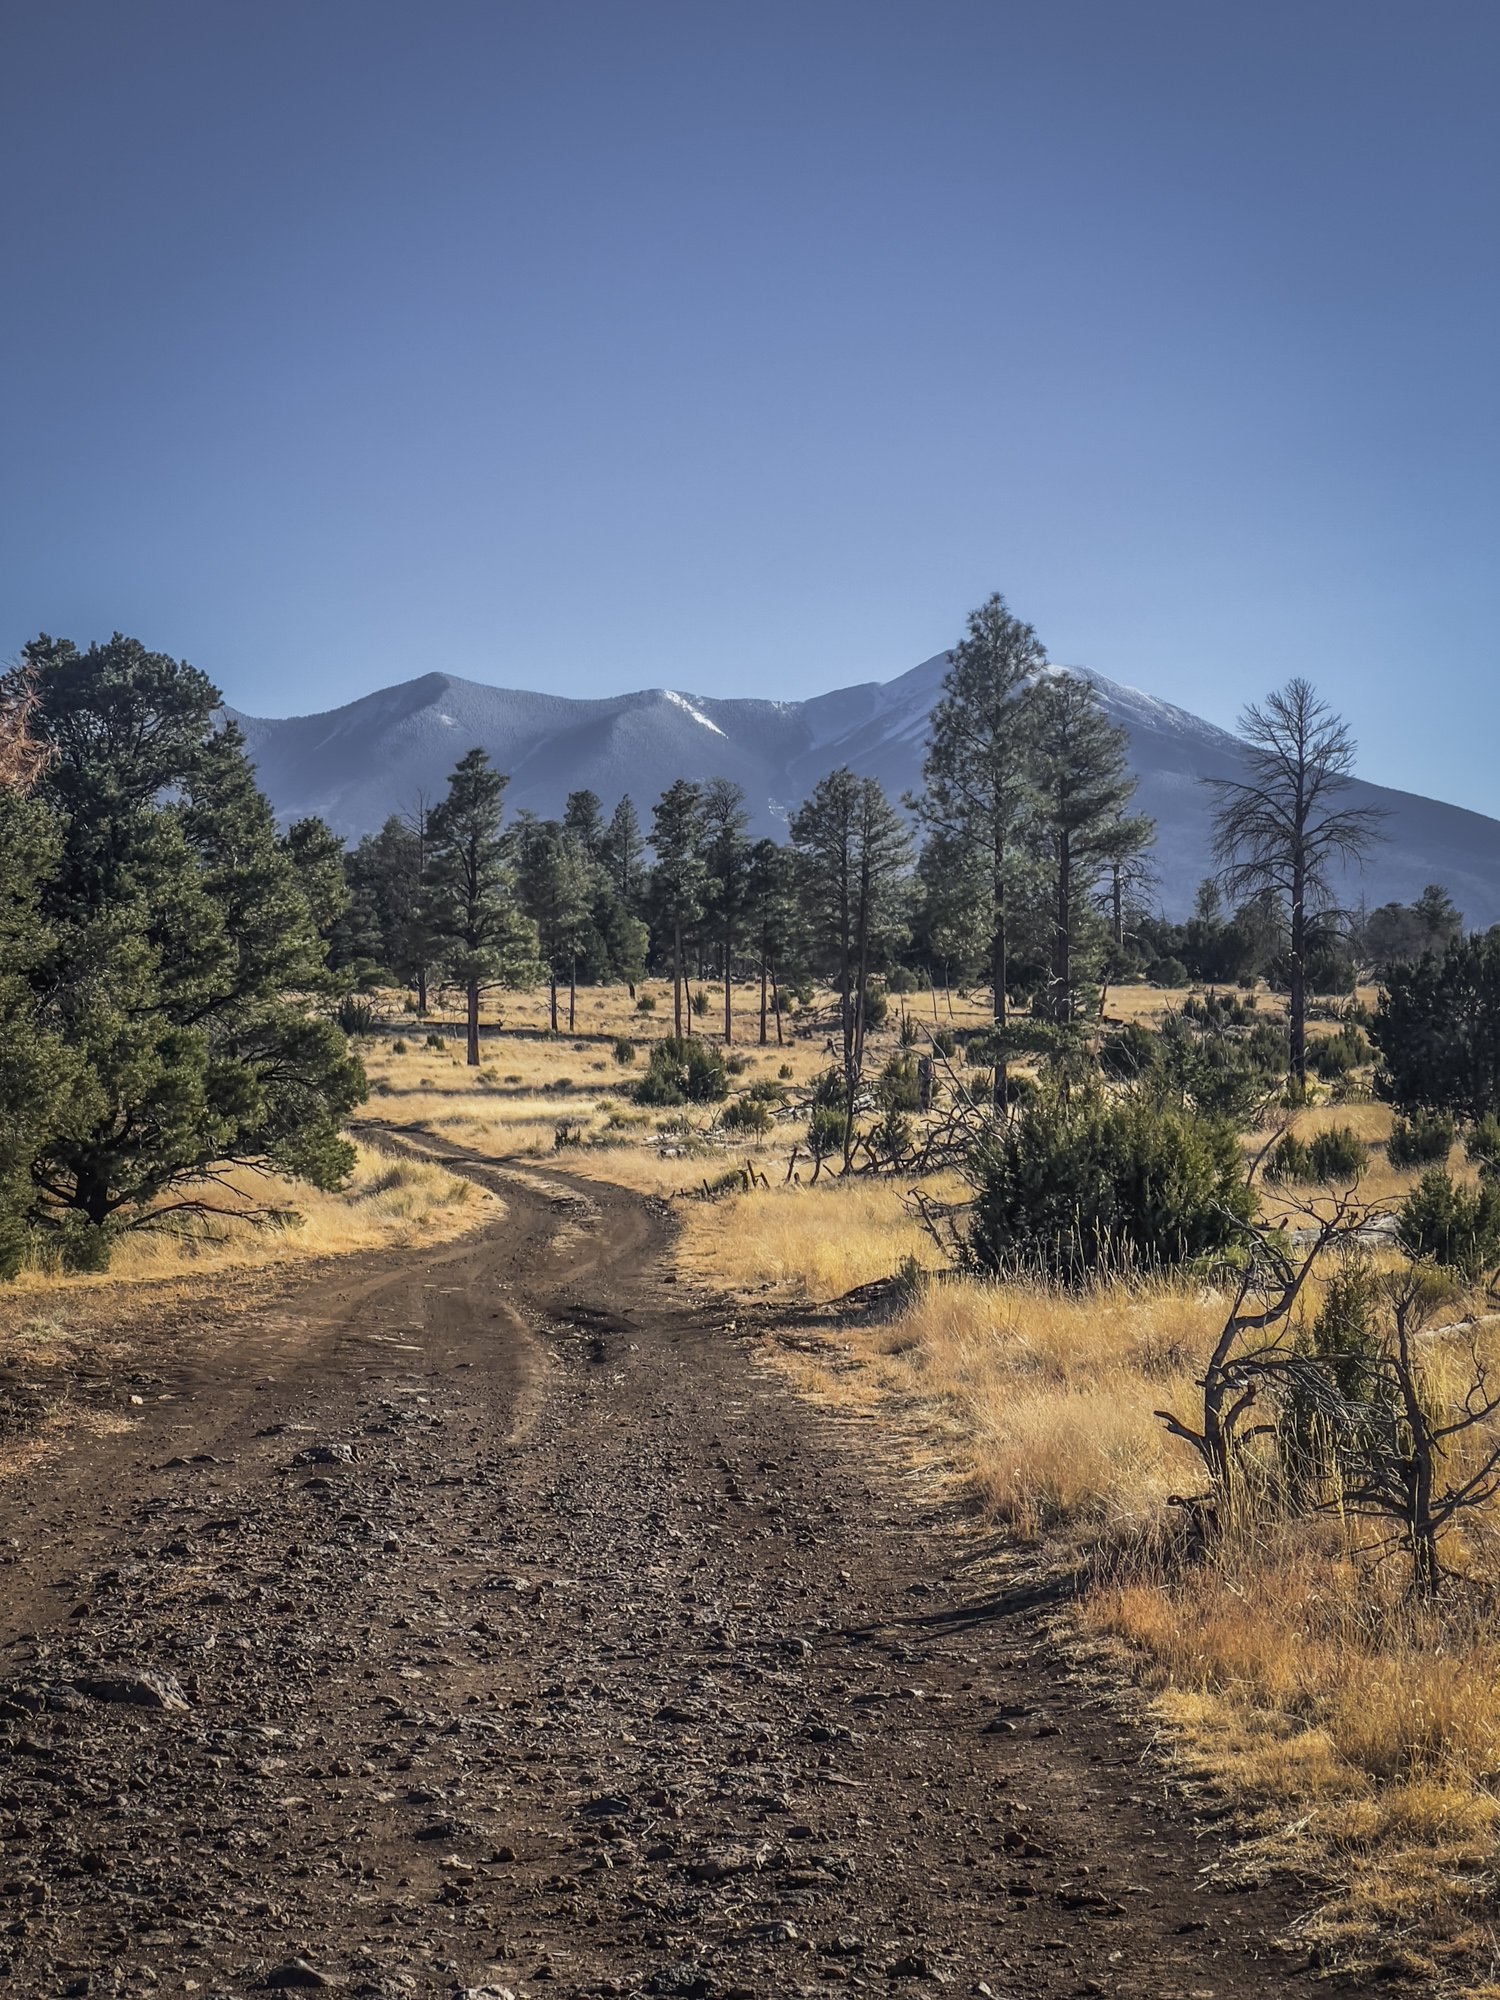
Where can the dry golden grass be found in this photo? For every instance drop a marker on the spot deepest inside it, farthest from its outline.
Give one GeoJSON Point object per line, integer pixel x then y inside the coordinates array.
{"type": "Point", "coordinates": [809, 1242]}
{"type": "Point", "coordinates": [532, 1086]}
{"type": "Point", "coordinates": [1359, 1736]}
{"type": "Point", "coordinates": [390, 1203]}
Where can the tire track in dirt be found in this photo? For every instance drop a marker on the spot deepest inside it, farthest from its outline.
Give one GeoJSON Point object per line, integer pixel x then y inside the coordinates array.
{"type": "Point", "coordinates": [488, 1620]}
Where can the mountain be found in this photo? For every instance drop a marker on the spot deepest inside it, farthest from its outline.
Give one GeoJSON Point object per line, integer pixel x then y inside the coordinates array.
{"type": "Point", "coordinates": [357, 764]}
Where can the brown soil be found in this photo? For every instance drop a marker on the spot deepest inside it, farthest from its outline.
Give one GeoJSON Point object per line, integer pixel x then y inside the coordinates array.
{"type": "Point", "coordinates": [531, 1636]}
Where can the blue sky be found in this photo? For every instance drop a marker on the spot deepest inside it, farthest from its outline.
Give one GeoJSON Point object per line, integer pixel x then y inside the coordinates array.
{"type": "Point", "coordinates": [743, 347]}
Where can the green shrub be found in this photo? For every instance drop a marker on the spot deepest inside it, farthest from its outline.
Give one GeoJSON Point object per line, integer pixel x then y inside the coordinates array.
{"type": "Point", "coordinates": [765, 1090]}
{"type": "Point", "coordinates": [699, 1002]}
{"type": "Point", "coordinates": [903, 981]}
{"type": "Point", "coordinates": [751, 1115]}
{"type": "Point", "coordinates": [736, 1064]}
{"type": "Point", "coordinates": [646, 1004]}
{"type": "Point", "coordinates": [1423, 1140]}
{"type": "Point", "coordinates": [356, 1016]}
{"type": "Point", "coordinates": [1128, 1053]}
{"type": "Point", "coordinates": [568, 1133]}
{"type": "Point", "coordinates": [829, 1091]}
{"type": "Point", "coordinates": [877, 1007]}
{"type": "Point", "coordinates": [436, 1042]}
{"type": "Point", "coordinates": [1336, 1055]}
{"type": "Point", "coordinates": [1268, 1048]}
{"type": "Point", "coordinates": [1452, 1225]}
{"type": "Point", "coordinates": [1083, 1188]}
{"type": "Point", "coordinates": [1336, 1154]}
{"type": "Point", "coordinates": [681, 1071]}
{"type": "Point", "coordinates": [786, 1072]}
{"type": "Point", "coordinates": [624, 1051]}
{"type": "Point", "coordinates": [1345, 1339]}
{"type": "Point", "coordinates": [1482, 1144]}
{"type": "Point", "coordinates": [1168, 972]}
{"type": "Point", "coordinates": [945, 1042]}
{"type": "Point", "coordinates": [1289, 1160]}
{"type": "Point", "coordinates": [891, 1136]}
{"type": "Point", "coordinates": [1438, 1030]}
{"type": "Point", "coordinates": [898, 1088]}
{"type": "Point", "coordinates": [398, 1047]}
{"type": "Point", "coordinates": [825, 1131]}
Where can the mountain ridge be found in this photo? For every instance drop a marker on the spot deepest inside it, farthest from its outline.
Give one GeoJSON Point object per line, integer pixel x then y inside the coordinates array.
{"type": "Point", "coordinates": [355, 764]}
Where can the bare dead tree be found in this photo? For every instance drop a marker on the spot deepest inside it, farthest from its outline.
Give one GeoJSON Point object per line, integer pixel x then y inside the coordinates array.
{"type": "Point", "coordinates": [23, 755]}
{"type": "Point", "coordinates": [1255, 1340]}
{"type": "Point", "coordinates": [1282, 830]}
{"type": "Point", "coordinates": [1397, 1461]}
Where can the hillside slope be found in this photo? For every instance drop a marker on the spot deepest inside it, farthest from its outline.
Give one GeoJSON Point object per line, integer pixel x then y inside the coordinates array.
{"type": "Point", "coordinates": [356, 764]}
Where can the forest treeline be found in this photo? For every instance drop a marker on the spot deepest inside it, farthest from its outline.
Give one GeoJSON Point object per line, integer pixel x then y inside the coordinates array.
{"type": "Point", "coordinates": [176, 972]}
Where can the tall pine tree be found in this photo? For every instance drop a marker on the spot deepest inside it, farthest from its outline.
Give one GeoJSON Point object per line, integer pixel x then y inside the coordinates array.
{"type": "Point", "coordinates": [1083, 785]}
{"type": "Point", "coordinates": [853, 853]}
{"type": "Point", "coordinates": [679, 881]}
{"type": "Point", "coordinates": [977, 789]}
{"type": "Point", "coordinates": [480, 934]}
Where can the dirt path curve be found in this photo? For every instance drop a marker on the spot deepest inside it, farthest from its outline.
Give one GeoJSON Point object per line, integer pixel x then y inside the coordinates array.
{"type": "Point", "coordinates": [492, 1620]}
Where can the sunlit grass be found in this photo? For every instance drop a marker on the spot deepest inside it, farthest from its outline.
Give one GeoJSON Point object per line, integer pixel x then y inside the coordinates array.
{"type": "Point", "coordinates": [390, 1203]}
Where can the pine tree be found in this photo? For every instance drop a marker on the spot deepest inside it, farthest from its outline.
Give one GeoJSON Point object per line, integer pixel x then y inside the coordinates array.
{"type": "Point", "coordinates": [726, 862]}
{"type": "Point", "coordinates": [583, 817]}
{"type": "Point", "coordinates": [39, 1075]}
{"type": "Point", "coordinates": [554, 882]}
{"type": "Point", "coordinates": [943, 914]}
{"type": "Point", "coordinates": [1129, 875]}
{"type": "Point", "coordinates": [853, 852]}
{"type": "Point", "coordinates": [679, 881]}
{"type": "Point", "coordinates": [320, 861]}
{"type": "Point", "coordinates": [481, 936]}
{"type": "Point", "coordinates": [1437, 1028]}
{"type": "Point", "coordinates": [1281, 831]}
{"type": "Point", "coordinates": [770, 913]}
{"type": "Point", "coordinates": [1083, 786]}
{"type": "Point", "coordinates": [624, 854]}
{"type": "Point", "coordinates": [977, 784]}
{"type": "Point", "coordinates": [180, 953]}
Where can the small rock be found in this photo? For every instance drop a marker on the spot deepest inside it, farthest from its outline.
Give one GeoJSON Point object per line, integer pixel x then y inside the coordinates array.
{"type": "Point", "coordinates": [148, 1690]}
{"type": "Point", "coordinates": [296, 1975]}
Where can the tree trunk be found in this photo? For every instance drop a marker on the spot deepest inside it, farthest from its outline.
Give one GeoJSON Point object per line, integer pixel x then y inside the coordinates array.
{"type": "Point", "coordinates": [763, 983]}
{"type": "Point", "coordinates": [552, 994]}
{"type": "Point", "coordinates": [728, 1016]}
{"type": "Point", "coordinates": [422, 992]}
{"type": "Point", "coordinates": [999, 974]}
{"type": "Point", "coordinates": [1297, 1001]}
{"type": "Point", "coordinates": [677, 981]}
{"type": "Point", "coordinates": [776, 1004]}
{"type": "Point", "coordinates": [572, 994]}
{"type": "Point", "coordinates": [473, 999]}
{"type": "Point", "coordinates": [1062, 950]}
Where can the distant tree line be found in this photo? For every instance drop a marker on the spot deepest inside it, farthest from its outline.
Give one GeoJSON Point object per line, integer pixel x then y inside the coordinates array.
{"type": "Point", "coordinates": [173, 968]}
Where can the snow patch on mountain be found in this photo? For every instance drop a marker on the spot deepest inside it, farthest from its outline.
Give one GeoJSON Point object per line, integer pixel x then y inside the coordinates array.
{"type": "Point", "coordinates": [696, 713]}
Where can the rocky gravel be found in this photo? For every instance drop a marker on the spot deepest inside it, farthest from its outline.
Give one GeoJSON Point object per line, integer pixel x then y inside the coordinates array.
{"type": "Point", "coordinates": [494, 1621]}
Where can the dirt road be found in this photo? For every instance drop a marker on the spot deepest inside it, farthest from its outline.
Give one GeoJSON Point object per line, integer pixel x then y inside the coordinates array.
{"type": "Point", "coordinates": [496, 1621]}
